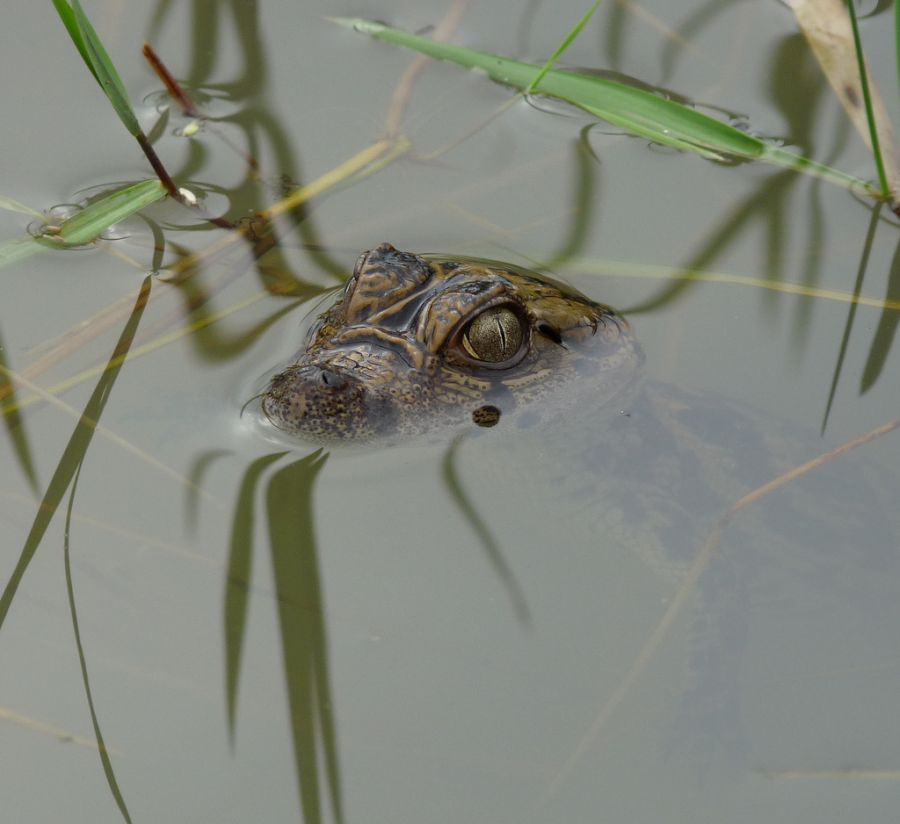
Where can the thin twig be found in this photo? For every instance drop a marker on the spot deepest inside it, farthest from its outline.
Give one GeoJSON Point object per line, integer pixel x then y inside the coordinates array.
{"type": "Point", "coordinates": [404, 89]}
{"type": "Point", "coordinates": [696, 569]}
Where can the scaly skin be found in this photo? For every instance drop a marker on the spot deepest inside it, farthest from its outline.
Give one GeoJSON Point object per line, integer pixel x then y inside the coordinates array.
{"type": "Point", "coordinates": [388, 360]}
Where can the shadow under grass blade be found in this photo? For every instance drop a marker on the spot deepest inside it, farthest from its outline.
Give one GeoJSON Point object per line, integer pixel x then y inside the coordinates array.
{"type": "Point", "coordinates": [851, 313]}
{"type": "Point", "coordinates": [105, 761]}
{"type": "Point", "coordinates": [583, 185]}
{"type": "Point", "coordinates": [759, 204]}
{"type": "Point", "coordinates": [481, 529]}
{"type": "Point", "coordinates": [304, 645]}
{"type": "Point", "coordinates": [12, 421]}
{"type": "Point", "coordinates": [75, 451]}
{"type": "Point", "coordinates": [885, 331]}
{"type": "Point", "coordinates": [237, 581]}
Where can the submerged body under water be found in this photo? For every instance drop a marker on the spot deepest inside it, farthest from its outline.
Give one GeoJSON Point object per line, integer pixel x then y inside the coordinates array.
{"type": "Point", "coordinates": [564, 463]}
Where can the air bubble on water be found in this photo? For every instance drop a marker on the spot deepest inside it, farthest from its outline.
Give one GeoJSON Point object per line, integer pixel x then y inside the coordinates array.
{"type": "Point", "coordinates": [159, 101]}
{"type": "Point", "coordinates": [48, 228]}
{"type": "Point", "coordinates": [115, 232]}
{"type": "Point", "coordinates": [62, 211]}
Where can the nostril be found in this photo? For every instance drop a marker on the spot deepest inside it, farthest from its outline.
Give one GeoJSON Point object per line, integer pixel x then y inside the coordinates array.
{"type": "Point", "coordinates": [331, 379]}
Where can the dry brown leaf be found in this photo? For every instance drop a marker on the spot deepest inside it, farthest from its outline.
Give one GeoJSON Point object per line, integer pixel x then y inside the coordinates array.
{"type": "Point", "coordinates": [826, 26]}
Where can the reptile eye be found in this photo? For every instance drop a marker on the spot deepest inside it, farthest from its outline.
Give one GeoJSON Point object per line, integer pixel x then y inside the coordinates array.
{"type": "Point", "coordinates": [494, 336]}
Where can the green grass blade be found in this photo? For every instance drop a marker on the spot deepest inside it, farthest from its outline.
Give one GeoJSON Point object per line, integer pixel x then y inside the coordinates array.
{"type": "Point", "coordinates": [570, 38]}
{"type": "Point", "coordinates": [14, 206]}
{"type": "Point", "coordinates": [638, 111]}
{"type": "Point", "coordinates": [867, 99]}
{"type": "Point", "coordinates": [88, 224]}
{"type": "Point", "coordinates": [897, 38]}
{"type": "Point", "coordinates": [782, 157]}
{"type": "Point", "coordinates": [64, 10]}
{"type": "Point", "coordinates": [101, 66]}
{"type": "Point", "coordinates": [75, 452]}
{"type": "Point", "coordinates": [12, 251]}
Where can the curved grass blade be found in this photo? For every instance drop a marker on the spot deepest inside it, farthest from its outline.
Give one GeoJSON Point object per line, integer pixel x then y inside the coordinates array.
{"type": "Point", "coordinates": [304, 642]}
{"type": "Point", "coordinates": [88, 224]}
{"type": "Point", "coordinates": [638, 111]}
{"type": "Point", "coordinates": [489, 543]}
{"type": "Point", "coordinates": [105, 760]}
{"type": "Point", "coordinates": [74, 454]}
{"type": "Point", "coordinates": [237, 581]}
{"type": "Point", "coordinates": [885, 332]}
{"type": "Point", "coordinates": [851, 314]}
{"type": "Point", "coordinates": [101, 66]}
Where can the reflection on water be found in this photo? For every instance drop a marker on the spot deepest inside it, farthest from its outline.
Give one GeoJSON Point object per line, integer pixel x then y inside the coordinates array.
{"type": "Point", "coordinates": [574, 622]}
{"type": "Point", "coordinates": [301, 618]}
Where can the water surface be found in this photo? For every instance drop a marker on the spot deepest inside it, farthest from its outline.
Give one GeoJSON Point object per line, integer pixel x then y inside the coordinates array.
{"type": "Point", "coordinates": [248, 629]}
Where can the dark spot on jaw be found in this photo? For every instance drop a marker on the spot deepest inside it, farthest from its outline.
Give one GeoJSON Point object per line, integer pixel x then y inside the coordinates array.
{"type": "Point", "coordinates": [486, 416]}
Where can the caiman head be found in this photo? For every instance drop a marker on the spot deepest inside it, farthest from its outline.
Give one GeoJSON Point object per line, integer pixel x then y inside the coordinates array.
{"type": "Point", "coordinates": [423, 344]}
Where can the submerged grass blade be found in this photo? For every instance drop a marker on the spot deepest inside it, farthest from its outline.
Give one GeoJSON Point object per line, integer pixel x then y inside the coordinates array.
{"type": "Point", "coordinates": [238, 580]}
{"type": "Point", "coordinates": [885, 332]}
{"type": "Point", "coordinates": [105, 760]}
{"type": "Point", "coordinates": [14, 206]}
{"type": "Point", "coordinates": [88, 224]}
{"type": "Point", "coordinates": [12, 251]}
{"type": "Point", "coordinates": [481, 529]}
{"type": "Point", "coordinates": [851, 314]}
{"type": "Point", "coordinates": [14, 425]}
{"type": "Point", "coordinates": [73, 455]}
{"type": "Point", "coordinates": [304, 641]}
{"type": "Point", "coordinates": [638, 111]}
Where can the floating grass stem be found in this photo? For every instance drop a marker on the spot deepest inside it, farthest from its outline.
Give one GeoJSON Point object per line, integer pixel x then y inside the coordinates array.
{"type": "Point", "coordinates": [570, 38]}
{"type": "Point", "coordinates": [88, 224]}
{"type": "Point", "coordinates": [635, 110]}
{"type": "Point", "coordinates": [98, 61]}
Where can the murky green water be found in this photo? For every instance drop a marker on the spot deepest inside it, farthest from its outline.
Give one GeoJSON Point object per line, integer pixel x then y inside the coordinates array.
{"type": "Point", "coordinates": [201, 624]}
